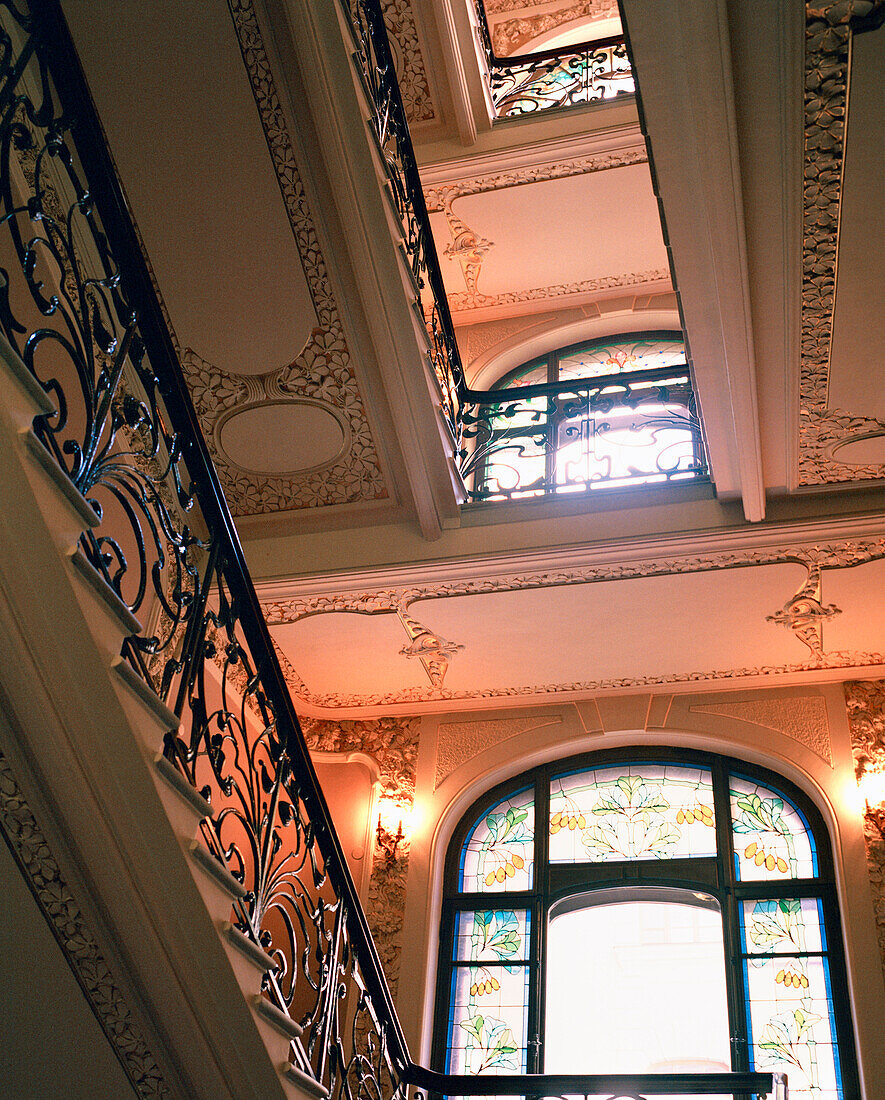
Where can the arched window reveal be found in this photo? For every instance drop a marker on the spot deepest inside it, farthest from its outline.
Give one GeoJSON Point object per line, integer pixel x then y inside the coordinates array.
{"type": "Point", "coordinates": [673, 915]}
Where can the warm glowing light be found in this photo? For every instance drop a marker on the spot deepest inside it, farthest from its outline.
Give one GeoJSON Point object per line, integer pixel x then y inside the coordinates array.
{"type": "Point", "coordinates": [395, 816]}
{"type": "Point", "coordinates": [872, 788]}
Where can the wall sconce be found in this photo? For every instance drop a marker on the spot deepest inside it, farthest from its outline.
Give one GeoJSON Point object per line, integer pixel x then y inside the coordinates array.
{"type": "Point", "coordinates": [393, 826]}
{"type": "Point", "coordinates": [872, 787]}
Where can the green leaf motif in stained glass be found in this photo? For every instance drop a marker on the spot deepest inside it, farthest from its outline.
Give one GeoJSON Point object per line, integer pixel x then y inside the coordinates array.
{"type": "Point", "coordinates": [785, 1038]}
{"type": "Point", "coordinates": [498, 932]}
{"type": "Point", "coordinates": [777, 924]}
{"type": "Point", "coordinates": [494, 1042]}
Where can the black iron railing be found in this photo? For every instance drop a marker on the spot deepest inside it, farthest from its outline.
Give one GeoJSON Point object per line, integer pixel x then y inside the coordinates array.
{"type": "Point", "coordinates": [375, 65]}
{"type": "Point", "coordinates": [522, 84]}
{"type": "Point", "coordinates": [79, 307]}
{"type": "Point", "coordinates": [636, 428]}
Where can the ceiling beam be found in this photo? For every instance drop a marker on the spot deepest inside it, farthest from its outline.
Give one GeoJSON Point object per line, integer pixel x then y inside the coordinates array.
{"type": "Point", "coordinates": [682, 56]}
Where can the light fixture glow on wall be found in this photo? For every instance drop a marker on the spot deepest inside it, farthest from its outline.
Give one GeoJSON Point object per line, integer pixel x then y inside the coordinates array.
{"type": "Point", "coordinates": [872, 788]}
{"type": "Point", "coordinates": [394, 824]}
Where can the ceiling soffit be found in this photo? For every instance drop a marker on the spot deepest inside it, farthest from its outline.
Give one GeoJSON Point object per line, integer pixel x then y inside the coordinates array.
{"type": "Point", "coordinates": [319, 379]}
{"type": "Point", "coordinates": [824, 430]}
{"type": "Point", "coordinates": [798, 608]}
{"type": "Point", "coordinates": [469, 248]}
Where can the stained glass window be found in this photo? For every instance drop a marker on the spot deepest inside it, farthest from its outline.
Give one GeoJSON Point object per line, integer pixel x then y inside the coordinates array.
{"type": "Point", "coordinates": [637, 811]}
{"type": "Point", "coordinates": [489, 996]}
{"type": "Point", "coordinates": [597, 415]}
{"type": "Point", "coordinates": [498, 855]}
{"type": "Point", "coordinates": [771, 838]}
{"type": "Point", "coordinates": [671, 864]}
{"type": "Point", "coordinates": [788, 994]}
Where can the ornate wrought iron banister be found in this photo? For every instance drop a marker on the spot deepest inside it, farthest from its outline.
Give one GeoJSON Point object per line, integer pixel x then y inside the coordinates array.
{"type": "Point", "coordinates": [388, 120]}
{"type": "Point", "coordinates": [523, 84]}
{"type": "Point", "coordinates": [78, 304]}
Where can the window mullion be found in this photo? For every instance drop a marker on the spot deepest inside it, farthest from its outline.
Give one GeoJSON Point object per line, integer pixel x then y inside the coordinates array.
{"type": "Point", "coordinates": [734, 966]}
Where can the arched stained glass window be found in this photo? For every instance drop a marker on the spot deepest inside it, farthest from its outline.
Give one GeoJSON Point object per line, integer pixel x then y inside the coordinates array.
{"type": "Point", "coordinates": [603, 414]}
{"type": "Point", "coordinates": [658, 880]}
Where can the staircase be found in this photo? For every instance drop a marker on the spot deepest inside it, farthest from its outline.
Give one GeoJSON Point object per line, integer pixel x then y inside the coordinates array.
{"type": "Point", "coordinates": [82, 740]}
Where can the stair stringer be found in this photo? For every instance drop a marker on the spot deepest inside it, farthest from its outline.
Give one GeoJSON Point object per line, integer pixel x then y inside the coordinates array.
{"type": "Point", "coordinates": [83, 739]}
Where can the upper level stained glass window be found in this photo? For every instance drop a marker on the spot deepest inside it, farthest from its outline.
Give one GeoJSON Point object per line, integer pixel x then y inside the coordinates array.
{"type": "Point", "coordinates": [598, 415]}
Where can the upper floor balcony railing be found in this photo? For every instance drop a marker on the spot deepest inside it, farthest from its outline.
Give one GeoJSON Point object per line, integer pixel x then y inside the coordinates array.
{"type": "Point", "coordinates": [522, 84]}
{"type": "Point", "coordinates": [79, 308]}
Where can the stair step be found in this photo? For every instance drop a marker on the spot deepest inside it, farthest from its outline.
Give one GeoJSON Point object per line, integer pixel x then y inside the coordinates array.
{"type": "Point", "coordinates": [108, 617]}
{"type": "Point", "coordinates": [67, 512]}
{"type": "Point", "coordinates": [187, 807]}
{"type": "Point", "coordinates": [304, 1081]}
{"type": "Point", "coordinates": [284, 1024]}
{"type": "Point", "coordinates": [145, 709]}
{"type": "Point", "coordinates": [219, 874]}
{"type": "Point", "coordinates": [25, 398]}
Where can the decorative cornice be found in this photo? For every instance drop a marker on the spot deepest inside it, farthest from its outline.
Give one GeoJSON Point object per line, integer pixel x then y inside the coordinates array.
{"type": "Point", "coordinates": [461, 302]}
{"type": "Point", "coordinates": [323, 369]}
{"type": "Point", "coordinates": [441, 196]}
{"type": "Point", "coordinates": [392, 600]}
{"type": "Point", "coordinates": [408, 57]}
{"type": "Point", "coordinates": [803, 718]}
{"type": "Point", "coordinates": [43, 875]}
{"type": "Point", "coordinates": [828, 34]}
{"type": "Point", "coordinates": [421, 696]}
{"type": "Point", "coordinates": [834, 554]}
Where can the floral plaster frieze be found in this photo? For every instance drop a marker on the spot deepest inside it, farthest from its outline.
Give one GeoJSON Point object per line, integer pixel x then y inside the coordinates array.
{"type": "Point", "coordinates": [393, 743]}
{"type": "Point", "coordinates": [75, 938]}
{"type": "Point", "coordinates": [828, 34]}
{"type": "Point", "coordinates": [865, 701]}
{"type": "Point", "coordinates": [408, 57]}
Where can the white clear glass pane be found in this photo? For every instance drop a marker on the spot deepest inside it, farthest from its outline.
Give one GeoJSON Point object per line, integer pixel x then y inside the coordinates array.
{"type": "Point", "coordinates": [633, 811]}
{"type": "Point", "coordinates": [791, 1024]}
{"type": "Point", "coordinates": [492, 935]}
{"type": "Point", "coordinates": [771, 839]}
{"type": "Point", "coordinates": [498, 854]}
{"type": "Point", "coordinates": [636, 987]}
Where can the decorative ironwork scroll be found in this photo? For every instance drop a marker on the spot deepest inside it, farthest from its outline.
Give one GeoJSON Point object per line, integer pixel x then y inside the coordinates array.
{"type": "Point", "coordinates": [562, 437]}
{"type": "Point", "coordinates": [528, 83]}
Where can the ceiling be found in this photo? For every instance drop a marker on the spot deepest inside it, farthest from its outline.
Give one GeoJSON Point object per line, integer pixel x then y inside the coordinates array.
{"type": "Point", "coordinates": [258, 193]}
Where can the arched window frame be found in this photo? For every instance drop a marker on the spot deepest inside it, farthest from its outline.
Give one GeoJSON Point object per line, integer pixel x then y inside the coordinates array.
{"type": "Point", "coordinates": [715, 876]}
{"type": "Point", "coordinates": [511, 426]}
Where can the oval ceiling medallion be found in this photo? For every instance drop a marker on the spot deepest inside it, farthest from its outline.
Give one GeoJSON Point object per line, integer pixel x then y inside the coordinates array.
{"type": "Point", "coordinates": [283, 437]}
{"type": "Point", "coordinates": [864, 450]}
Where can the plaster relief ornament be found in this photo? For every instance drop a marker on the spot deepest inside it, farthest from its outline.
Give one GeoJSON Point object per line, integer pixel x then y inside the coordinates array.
{"type": "Point", "coordinates": [804, 614]}
{"type": "Point", "coordinates": [432, 651]}
{"type": "Point", "coordinates": [823, 431]}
